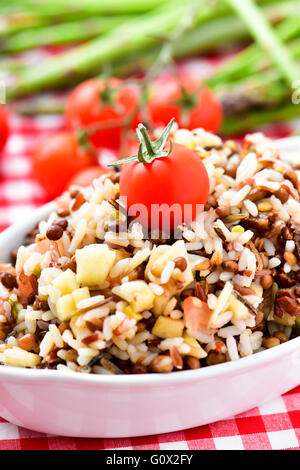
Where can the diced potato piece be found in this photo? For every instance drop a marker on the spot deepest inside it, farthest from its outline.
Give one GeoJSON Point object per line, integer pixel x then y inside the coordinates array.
{"type": "Point", "coordinates": [239, 310]}
{"type": "Point", "coordinates": [94, 263]}
{"type": "Point", "coordinates": [20, 358]}
{"type": "Point", "coordinates": [132, 314]}
{"type": "Point", "coordinates": [166, 327]}
{"type": "Point", "coordinates": [196, 350]}
{"type": "Point", "coordinates": [81, 294]}
{"type": "Point", "coordinates": [159, 259]}
{"type": "Point", "coordinates": [160, 303]}
{"type": "Point", "coordinates": [66, 282]}
{"type": "Point", "coordinates": [65, 307]}
{"type": "Point", "coordinates": [137, 293]}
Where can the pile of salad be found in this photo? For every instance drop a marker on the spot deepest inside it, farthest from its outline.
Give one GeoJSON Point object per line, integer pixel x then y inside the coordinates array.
{"type": "Point", "coordinates": [106, 286]}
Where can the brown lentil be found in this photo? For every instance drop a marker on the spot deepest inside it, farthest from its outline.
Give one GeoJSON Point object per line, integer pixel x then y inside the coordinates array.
{"type": "Point", "coordinates": [54, 232]}
{"type": "Point", "coordinates": [266, 281]}
{"type": "Point", "coordinates": [282, 195]}
{"type": "Point", "coordinates": [74, 193]}
{"type": "Point", "coordinates": [8, 280]}
{"type": "Point", "coordinates": [191, 362]}
{"type": "Point", "coordinates": [63, 212]}
{"type": "Point", "coordinates": [292, 176]}
{"type": "Point", "coordinates": [281, 336]}
{"type": "Point", "coordinates": [256, 194]}
{"type": "Point", "coordinates": [63, 223]}
{"type": "Point", "coordinates": [230, 266]}
{"type": "Point", "coordinates": [270, 342]}
{"type": "Point", "coordinates": [223, 211]}
{"type": "Point", "coordinates": [139, 369]}
{"type": "Point", "coordinates": [214, 358]}
{"type": "Point", "coordinates": [180, 263]}
{"type": "Point", "coordinates": [161, 364]}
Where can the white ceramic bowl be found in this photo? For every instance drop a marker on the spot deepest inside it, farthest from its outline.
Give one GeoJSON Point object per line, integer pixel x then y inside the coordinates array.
{"type": "Point", "coordinates": [82, 405]}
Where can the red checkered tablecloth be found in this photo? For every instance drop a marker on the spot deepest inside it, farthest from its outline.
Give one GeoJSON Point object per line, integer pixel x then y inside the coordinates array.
{"type": "Point", "coordinates": [274, 425]}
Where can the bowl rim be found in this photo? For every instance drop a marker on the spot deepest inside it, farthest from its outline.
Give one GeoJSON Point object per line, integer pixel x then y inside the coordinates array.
{"type": "Point", "coordinates": [155, 379]}
{"type": "Point", "coordinates": [125, 380]}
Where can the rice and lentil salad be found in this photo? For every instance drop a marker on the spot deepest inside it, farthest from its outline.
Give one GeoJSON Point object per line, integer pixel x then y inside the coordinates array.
{"type": "Point", "coordinates": [80, 297]}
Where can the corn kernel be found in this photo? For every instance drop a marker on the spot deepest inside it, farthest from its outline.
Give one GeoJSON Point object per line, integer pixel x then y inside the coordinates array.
{"type": "Point", "coordinates": [238, 229]}
{"type": "Point", "coordinates": [264, 206]}
{"type": "Point", "coordinates": [132, 314]}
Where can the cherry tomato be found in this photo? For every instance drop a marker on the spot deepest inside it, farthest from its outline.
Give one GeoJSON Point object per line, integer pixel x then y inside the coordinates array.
{"type": "Point", "coordinates": [56, 159]}
{"type": "Point", "coordinates": [95, 102]}
{"type": "Point", "coordinates": [4, 126]}
{"type": "Point", "coordinates": [177, 179]}
{"type": "Point", "coordinates": [86, 176]}
{"type": "Point", "coordinates": [191, 105]}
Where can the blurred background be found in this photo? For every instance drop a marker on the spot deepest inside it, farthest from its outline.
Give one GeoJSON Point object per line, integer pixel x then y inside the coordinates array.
{"type": "Point", "coordinates": [229, 66]}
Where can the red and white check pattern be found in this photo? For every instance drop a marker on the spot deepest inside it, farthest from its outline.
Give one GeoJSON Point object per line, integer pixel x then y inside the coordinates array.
{"type": "Point", "coordinates": [274, 425]}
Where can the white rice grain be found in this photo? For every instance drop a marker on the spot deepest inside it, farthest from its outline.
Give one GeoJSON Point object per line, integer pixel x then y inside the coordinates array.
{"type": "Point", "coordinates": [167, 272]}
{"type": "Point", "coordinates": [232, 348]}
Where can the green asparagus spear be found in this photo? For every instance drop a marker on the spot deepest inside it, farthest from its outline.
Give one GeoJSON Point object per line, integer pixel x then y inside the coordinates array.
{"type": "Point", "coordinates": [250, 121]}
{"type": "Point", "coordinates": [126, 41]}
{"type": "Point", "coordinates": [133, 36]}
{"type": "Point", "coordinates": [61, 33]}
{"type": "Point", "coordinates": [266, 37]}
{"type": "Point", "coordinates": [251, 59]}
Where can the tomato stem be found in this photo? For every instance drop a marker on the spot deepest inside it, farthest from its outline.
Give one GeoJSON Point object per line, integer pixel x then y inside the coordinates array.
{"type": "Point", "coordinates": [149, 150]}
{"type": "Point", "coordinates": [145, 140]}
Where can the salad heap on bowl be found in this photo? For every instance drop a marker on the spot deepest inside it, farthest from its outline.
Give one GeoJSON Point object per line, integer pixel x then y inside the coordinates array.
{"type": "Point", "coordinates": [86, 294]}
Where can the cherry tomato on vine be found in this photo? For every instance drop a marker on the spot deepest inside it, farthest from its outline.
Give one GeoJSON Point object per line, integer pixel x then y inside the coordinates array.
{"type": "Point", "coordinates": [103, 104]}
{"type": "Point", "coordinates": [58, 157]}
{"type": "Point", "coordinates": [4, 126]}
{"type": "Point", "coordinates": [192, 105]}
{"type": "Point", "coordinates": [176, 178]}
{"type": "Point", "coordinates": [86, 176]}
